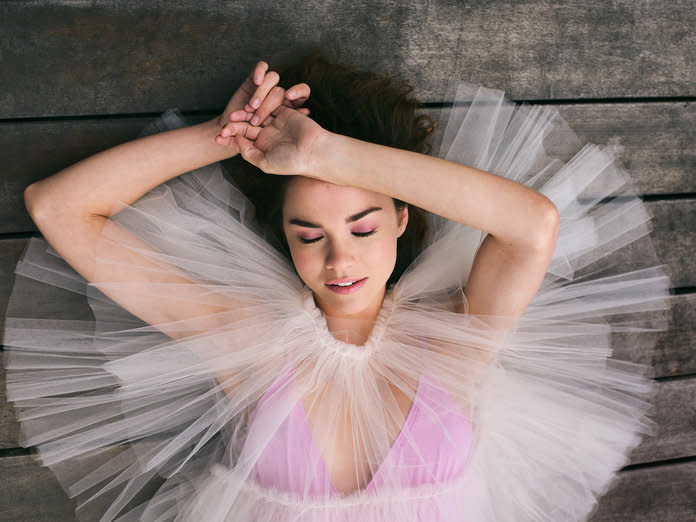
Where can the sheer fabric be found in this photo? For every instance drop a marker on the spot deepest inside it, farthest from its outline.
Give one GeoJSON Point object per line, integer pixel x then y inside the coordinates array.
{"type": "Point", "coordinates": [256, 412]}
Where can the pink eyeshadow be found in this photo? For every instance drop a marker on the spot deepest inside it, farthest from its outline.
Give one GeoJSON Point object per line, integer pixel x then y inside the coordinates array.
{"type": "Point", "coordinates": [364, 227]}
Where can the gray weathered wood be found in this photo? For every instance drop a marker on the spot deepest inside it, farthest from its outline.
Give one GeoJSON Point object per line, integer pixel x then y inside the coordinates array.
{"type": "Point", "coordinates": [654, 140]}
{"type": "Point", "coordinates": [675, 416]}
{"type": "Point", "coordinates": [652, 494]}
{"type": "Point", "coordinates": [672, 237]}
{"type": "Point", "coordinates": [37, 149]}
{"type": "Point", "coordinates": [10, 251]}
{"type": "Point", "coordinates": [9, 428]}
{"type": "Point", "coordinates": [130, 56]}
{"type": "Point", "coordinates": [670, 243]}
{"type": "Point", "coordinates": [34, 150]}
{"type": "Point", "coordinates": [31, 493]}
{"type": "Point", "coordinates": [675, 352]}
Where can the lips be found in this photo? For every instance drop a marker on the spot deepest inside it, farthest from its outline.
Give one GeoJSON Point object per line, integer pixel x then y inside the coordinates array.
{"type": "Point", "coordinates": [346, 285]}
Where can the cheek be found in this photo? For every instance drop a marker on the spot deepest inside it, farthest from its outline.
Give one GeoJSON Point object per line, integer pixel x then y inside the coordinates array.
{"type": "Point", "coordinates": [384, 256]}
{"type": "Point", "coordinates": [306, 261]}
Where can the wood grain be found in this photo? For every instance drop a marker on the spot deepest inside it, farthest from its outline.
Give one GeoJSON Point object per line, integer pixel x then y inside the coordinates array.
{"type": "Point", "coordinates": [654, 141]}
{"type": "Point", "coordinates": [9, 428]}
{"type": "Point", "coordinates": [675, 415]}
{"type": "Point", "coordinates": [31, 492]}
{"type": "Point", "coordinates": [652, 494]}
{"type": "Point", "coordinates": [128, 57]}
{"type": "Point", "coordinates": [661, 161]}
{"type": "Point", "coordinates": [67, 67]}
{"type": "Point", "coordinates": [675, 351]}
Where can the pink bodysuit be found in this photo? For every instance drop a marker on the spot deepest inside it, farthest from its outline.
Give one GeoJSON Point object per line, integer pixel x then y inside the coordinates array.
{"type": "Point", "coordinates": [437, 449]}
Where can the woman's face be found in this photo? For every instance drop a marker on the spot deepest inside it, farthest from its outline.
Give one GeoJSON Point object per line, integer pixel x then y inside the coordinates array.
{"type": "Point", "coordinates": [343, 243]}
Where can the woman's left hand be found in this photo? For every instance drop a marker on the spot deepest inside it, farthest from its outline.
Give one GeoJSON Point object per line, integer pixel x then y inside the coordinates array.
{"type": "Point", "coordinates": [258, 96]}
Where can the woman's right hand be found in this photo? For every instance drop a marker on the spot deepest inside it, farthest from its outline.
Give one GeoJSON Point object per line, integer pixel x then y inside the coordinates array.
{"type": "Point", "coordinates": [258, 97]}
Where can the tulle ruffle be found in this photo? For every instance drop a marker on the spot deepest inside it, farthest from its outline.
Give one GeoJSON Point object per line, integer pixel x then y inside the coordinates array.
{"type": "Point", "coordinates": [254, 411]}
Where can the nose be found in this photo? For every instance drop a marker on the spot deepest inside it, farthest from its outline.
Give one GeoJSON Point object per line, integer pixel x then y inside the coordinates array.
{"type": "Point", "coordinates": [339, 256]}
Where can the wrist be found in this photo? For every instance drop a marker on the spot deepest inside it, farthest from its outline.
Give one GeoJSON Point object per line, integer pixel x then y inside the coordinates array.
{"type": "Point", "coordinates": [211, 130]}
{"type": "Point", "coordinates": [322, 161]}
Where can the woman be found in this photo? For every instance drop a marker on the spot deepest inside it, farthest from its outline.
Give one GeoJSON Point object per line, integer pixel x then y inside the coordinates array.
{"type": "Point", "coordinates": [476, 387]}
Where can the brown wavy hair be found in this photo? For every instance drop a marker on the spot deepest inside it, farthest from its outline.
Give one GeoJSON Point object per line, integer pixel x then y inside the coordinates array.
{"type": "Point", "coordinates": [354, 103]}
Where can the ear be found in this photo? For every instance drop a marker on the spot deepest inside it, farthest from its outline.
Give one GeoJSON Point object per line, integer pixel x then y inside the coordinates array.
{"type": "Point", "coordinates": [402, 216]}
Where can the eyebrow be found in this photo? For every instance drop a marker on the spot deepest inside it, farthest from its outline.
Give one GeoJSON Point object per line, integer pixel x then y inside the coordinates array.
{"type": "Point", "coordinates": [350, 219]}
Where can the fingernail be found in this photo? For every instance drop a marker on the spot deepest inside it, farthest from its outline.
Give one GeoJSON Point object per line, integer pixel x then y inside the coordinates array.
{"type": "Point", "coordinates": [255, 120]}
{"type": "Point", "coordinates": [292, 93]}
{"type": "Point", "coordinates": [255, 102]}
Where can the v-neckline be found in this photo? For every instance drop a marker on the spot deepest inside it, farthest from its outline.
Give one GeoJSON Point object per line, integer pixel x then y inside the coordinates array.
{"type": "Point", "coordinates": [387, 456]}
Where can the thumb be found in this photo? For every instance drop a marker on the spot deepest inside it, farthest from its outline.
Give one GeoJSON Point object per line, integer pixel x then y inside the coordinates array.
{"type": "Point", "coordinates": [249, 151]}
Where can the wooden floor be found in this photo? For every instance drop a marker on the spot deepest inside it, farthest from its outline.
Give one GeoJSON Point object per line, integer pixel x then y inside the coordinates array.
{"type": "Point", "coordinates": [81, 76]}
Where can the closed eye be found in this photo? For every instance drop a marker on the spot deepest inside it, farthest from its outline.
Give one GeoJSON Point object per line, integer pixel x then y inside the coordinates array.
{"type": "Point", "coordinates": [307, 241]}
{"type": "Point", "coordinates": [365, 234]}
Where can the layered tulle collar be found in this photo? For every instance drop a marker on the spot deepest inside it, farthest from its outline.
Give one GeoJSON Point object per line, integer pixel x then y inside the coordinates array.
{"type": "Point", "coordinates": [327, 339]}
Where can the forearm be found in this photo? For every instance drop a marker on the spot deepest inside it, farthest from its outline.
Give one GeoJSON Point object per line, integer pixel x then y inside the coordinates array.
{"type": "Point", "coordinates": [95, 186]}
{"type": "Point", "coordinates": [513, 213]}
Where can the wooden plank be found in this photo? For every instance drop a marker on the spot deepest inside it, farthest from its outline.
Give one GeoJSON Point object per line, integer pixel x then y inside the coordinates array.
{"type": "Point", "coordinates": [9, 428]}
{"type": "Point", "coordinates": [10, 251]}
{"type": "Point", "coordinates": [660, 163]}
{"type": "Point", "coordinates": [189, 54]}
{"type": "Point", "coordinates": [56, 303]}
{"type": "Point", "coordinates": [30, 492]}
{"type": "Point", "coordinates": [653, 140]}
{"type": "Point", "coordinates": [34, 150]}
{"type": "Point", "coordinates": [670, 243]}
{"type": "Point", "coordinates": [651, 494]}
{"type": "Point", "coordinates": [675, 352]}
{"type": "Point", "coordinates": [672, 237]}
{"type": "Point", "coordinates": [675, 415]}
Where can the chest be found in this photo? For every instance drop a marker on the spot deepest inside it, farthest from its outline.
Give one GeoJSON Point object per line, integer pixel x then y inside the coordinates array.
{"type": "Point", "coordinates": [397, 439]}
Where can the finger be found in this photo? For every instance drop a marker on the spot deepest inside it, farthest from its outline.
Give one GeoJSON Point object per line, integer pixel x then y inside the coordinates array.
{"type": "Point", "coordinates": [254, 79]}
{"type": "Point", "coordinates": [270, 80]}
{"type": "Point", "coordinates": [226, 141]}
{"type": "Point", "coordinates": [298, 94]}
{"type": "Point", "coordinates": [240, 129]}
{"type": "Point", "coordinates": [240, 115]}
{"type": "Point", "coordinates": [304, 110]}
{"type": "Point", "coordinates": [273, 100]}
{"type": "Point", "coordinates": [259, 72]}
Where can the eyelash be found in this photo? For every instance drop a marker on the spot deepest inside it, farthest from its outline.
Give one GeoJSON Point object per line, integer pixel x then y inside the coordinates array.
{"type": "Point", "coordinates": [356, 234]}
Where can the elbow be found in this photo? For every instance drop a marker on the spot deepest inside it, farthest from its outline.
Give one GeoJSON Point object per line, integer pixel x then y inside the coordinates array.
{"type": "Point", "coordinates": [31, 199]}
{"type": "Point", "coordinates": [549, 222]}
{"type": "Point", "coordinates": [37, 204]}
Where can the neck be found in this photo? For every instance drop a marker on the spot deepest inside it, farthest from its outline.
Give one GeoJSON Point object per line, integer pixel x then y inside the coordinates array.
{"type": "Point", "coordinates": [352, 328]}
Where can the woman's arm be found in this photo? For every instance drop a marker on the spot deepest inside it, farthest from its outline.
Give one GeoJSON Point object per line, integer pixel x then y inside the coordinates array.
{"type": "Point", "coordinates": [521, 224]}
{"type": "Point", "coordinates": [72, 208]}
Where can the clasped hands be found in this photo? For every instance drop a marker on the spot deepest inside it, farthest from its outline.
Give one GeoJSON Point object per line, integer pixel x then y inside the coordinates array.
{"type": "Point", "coordinates": [267, 125]}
